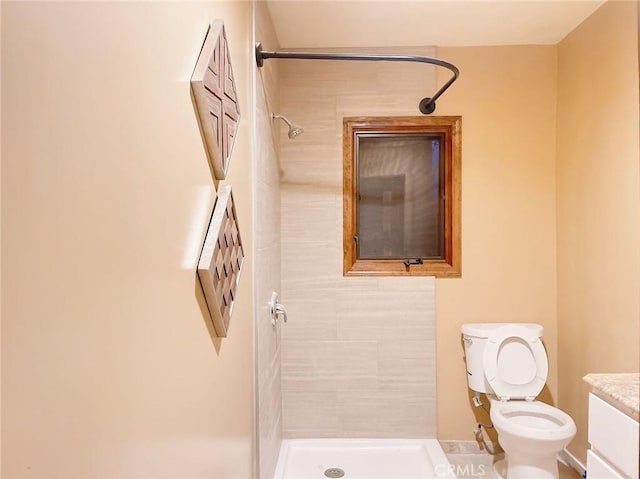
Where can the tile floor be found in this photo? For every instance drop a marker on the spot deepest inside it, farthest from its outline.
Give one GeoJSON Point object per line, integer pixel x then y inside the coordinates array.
{"type": "Point", "coordinates": [481, 466]}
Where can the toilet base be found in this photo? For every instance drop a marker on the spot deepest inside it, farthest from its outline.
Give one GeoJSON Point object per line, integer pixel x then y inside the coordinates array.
{"type": "Point", "coordinates": [500, 468]}
{"type": "Point", "coordinates": [527, 467]}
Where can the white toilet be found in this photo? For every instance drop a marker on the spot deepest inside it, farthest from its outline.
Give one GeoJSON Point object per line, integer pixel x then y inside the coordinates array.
{"type": "Point", "coordinates": [508, 362]}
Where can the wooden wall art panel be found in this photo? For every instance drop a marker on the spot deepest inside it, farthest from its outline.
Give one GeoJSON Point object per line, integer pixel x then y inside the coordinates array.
{"type": "Point", "coordinates": [221, 262]}
{"type": "Point", "coordinates": [216, 100]}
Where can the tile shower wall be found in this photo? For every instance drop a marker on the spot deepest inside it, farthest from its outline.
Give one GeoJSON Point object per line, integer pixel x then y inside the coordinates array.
{"type": "Point", "coordinates": [358, 354]}
{"type": "Point", "coordinates": [267, 252]}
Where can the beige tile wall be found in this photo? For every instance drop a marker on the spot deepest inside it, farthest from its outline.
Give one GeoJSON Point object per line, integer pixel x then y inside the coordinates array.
{"type": "Point", "coordinates": [267, 252]}
{"type": "Point", "coordinates": [358, 354]}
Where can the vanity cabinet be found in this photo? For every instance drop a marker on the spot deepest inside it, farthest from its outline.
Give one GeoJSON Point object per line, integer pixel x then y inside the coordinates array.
{"type": "Point", "coordinates": [613, 438]}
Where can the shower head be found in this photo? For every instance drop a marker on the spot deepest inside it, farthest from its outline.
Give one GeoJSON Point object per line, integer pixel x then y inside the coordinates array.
{"type": "Point", "coordinates": [294, 130]}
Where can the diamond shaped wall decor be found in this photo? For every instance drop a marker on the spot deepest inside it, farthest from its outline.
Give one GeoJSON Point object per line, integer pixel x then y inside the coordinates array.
{"type": "Point", "coordinates": [221, 261]}
{"type": "Point", "coordinates": [216, 100]}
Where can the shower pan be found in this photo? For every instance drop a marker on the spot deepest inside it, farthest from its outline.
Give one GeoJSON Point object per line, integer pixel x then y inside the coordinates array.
{"type": "Point", "coordinates": [363, 459]}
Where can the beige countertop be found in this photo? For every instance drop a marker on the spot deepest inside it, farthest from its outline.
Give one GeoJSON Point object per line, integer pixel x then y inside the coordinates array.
{"type": "Point", "coordinates": [621, 390]}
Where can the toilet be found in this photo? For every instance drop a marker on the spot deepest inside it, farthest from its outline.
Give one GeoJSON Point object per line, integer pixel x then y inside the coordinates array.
{"type": "Point", "coordinates": [508, 362]}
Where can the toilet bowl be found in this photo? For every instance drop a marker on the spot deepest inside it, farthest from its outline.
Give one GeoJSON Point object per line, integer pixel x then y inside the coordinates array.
{"type": "Point", "coordinates": [531, 433]}
{"type": "Point", "coordinates": [509, 363]}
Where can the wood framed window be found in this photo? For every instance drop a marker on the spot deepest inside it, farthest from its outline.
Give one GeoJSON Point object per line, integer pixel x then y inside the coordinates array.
{"type": "Point", "coordinates": [401, 196]}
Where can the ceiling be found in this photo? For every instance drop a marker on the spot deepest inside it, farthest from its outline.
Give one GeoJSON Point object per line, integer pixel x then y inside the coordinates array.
{"type": "Point", "coordinates": [375, 23]}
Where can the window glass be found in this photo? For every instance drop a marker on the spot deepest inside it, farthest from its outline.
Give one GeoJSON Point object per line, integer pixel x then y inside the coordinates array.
{"type": "Point", "coordinates": [400, 204]}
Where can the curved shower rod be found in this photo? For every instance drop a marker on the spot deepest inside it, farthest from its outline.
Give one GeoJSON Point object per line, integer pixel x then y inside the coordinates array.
{"type": "Point", "coordinates": [427, 105]}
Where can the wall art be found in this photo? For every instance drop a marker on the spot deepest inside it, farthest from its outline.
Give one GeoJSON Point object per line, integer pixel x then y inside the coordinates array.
{"type": "Point", "coordinates": [216, 99]}
{"type": "Point", "coordinates": [221, 262]}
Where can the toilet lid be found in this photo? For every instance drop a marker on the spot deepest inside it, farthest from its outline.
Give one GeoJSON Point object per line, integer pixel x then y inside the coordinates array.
{"type": "Point", "coordinates": [515, 362]}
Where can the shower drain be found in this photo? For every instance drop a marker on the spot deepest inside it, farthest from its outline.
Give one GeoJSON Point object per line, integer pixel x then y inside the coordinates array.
{"type": "Point", "coordinates": [334, 472]}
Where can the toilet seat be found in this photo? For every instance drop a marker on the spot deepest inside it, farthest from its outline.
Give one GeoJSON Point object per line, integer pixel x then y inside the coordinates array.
{"type": "Point", "coordinates": [539, 421]}
{"type": "Point", "coordinates": [504, 387]}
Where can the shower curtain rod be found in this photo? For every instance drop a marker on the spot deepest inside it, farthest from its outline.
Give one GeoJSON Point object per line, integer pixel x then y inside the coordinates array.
{"type": "Point", "coordinates": [427, 105]}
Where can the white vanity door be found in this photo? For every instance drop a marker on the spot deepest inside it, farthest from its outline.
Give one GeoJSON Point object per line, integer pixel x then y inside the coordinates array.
{"type": "Point", "coordinates": [613, 437]}
{"type": "Point", "coordinates": [598, 469]}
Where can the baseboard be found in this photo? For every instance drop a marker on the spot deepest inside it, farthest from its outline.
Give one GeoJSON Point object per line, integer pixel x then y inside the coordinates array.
{"type": "Point", "coordinates": [573, 462]}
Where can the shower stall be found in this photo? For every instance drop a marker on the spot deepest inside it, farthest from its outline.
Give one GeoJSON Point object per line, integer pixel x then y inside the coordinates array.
{"type": "Point", "coordinates": [351, 375]}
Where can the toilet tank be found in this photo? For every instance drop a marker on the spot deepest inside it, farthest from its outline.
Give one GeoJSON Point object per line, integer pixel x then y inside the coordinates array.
{"type": "Point", "coordinates": [475, 336]}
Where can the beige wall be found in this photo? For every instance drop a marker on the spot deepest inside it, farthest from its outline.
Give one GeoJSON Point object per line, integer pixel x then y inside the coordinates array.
{"type": "Point", "coordinates": [598, 205]}
{"type": "Point", "coordinates": [0, 235]}
{"type": "Point", "coordinates": [108, 367]}
{"type": "Point", "coordinates": [267, 250]}
{"type": "Point", "coordinates": [358, 354]}
{"type": "Point", "coordinates": [507, 99]}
